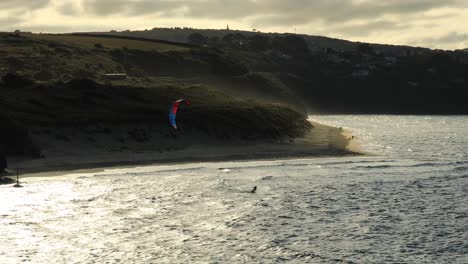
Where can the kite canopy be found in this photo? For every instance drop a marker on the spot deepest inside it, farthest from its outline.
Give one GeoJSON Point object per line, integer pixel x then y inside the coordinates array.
{"type": "Point", "coordinates": [173, 111]}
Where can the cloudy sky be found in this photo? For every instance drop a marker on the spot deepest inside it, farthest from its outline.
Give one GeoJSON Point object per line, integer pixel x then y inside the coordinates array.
{"type": "Point", "coordinates": [428, 23]}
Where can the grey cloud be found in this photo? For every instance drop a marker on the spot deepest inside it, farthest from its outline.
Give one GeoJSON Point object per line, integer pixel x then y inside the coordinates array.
{"type": "Point", "coordinates": [299, 12]}
{"type": "Point", "coordinates": [105, 7]}
{"type": "Point", "coordinates": [10, 21]}
{"type": "Point", "coordinates": [412, 6]}
{"type": "Point", "coordinates": [334, 16]}
{"type": "Point", "coordinates": [15, 11]}
{"type": "Point", "coordinates": [369, 28]}
{"type": "Point", "coordinates": [23, 4]}
{"type": "Point", "coordinates": [452, 37]}
{"type": "Point", "coordinates": [344, 10]}
{"type": "Point", "coordinates": [68, 9]}
{"type": "Point", "coordinates": [429, 25]}
{"type": "Point", "coordinates": [266, 13]}
{"type": "Point", "coordinates": [449, 40]}
{"type": "Point", "coordinates": [141, 7]}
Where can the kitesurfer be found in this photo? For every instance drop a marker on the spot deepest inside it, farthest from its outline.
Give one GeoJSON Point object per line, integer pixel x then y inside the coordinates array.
{"type": "Point", "coordinates": [254, 189]}
{"type": "Point", "coordinates": [173, 111]}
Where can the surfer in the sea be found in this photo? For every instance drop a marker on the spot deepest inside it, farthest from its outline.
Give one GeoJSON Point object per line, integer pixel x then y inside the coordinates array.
{"type": "Point", "coordinates": [254, 189]}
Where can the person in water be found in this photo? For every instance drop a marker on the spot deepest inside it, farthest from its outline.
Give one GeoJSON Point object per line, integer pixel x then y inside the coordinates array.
{"type": "Point", "coordinates": [254, 189]}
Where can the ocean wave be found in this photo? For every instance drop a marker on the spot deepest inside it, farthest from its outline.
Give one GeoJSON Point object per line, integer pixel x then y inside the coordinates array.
{"type": "Point", "coordinates": [460, 169]}
{"type": "Point", "coordinates": [465, 187]}
{"type": "Point", "coordinates": [417, 165]}
{"type": "Point", "coordinates": [150, 172]}
{"type": "Point", "coordinates": [442, 178]}
{"type": "Point", "coordinates": [346, 162]}
{"type": "Point", "coordinates": [374, 167]}
{"type": "Point", "coordinates": [313, 162]}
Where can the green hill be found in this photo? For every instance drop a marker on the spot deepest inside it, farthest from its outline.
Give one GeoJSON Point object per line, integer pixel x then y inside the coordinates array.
{"type": "Point", "coordinates": [339, 76]}
{"type": "Point", "coordinates": [244, 85]}
{"type": "Point", "coordinates": [52, 81]}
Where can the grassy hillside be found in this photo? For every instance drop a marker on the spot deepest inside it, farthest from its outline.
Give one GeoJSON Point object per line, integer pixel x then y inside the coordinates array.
{"type": "Point", "coordinates": [90, 42]}
{"type": "Point", "coordinates": [339, 76]}
{"type": "Point", "coordinates": [60, 81]}
{"type": "Point", "coordinates": [51, 58]}
{"type": "Point", "coordinates": [243, 84]}
{"type": "Point", "coordinates": [315, 43]}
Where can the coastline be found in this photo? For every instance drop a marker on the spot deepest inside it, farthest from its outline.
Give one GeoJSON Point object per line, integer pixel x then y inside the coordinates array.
{"type": "Point", "coordinates": [322, 141]}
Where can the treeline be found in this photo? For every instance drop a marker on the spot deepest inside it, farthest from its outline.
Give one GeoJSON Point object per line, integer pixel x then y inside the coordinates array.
{"type": "Point", "coordinates": [429, 83]}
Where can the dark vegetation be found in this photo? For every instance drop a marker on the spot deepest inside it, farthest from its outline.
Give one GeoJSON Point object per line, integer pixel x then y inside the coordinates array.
{"type": "Point", "coordinates": [6, 180]}
{"type": "Point", "coordinates": [60, 81]}
{"type": "Point", "coordinates": [14, 138]}
{"type": "Point", "coordinates": [338, 76]}
{"type": "Point", "coordinates": [245, 85]}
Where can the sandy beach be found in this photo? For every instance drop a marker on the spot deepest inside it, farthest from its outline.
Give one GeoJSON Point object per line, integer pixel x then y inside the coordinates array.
{"type": "Point", "coordinates": [79, 153]}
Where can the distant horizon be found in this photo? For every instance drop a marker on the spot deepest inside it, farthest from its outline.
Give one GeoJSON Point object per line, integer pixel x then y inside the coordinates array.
{"type": "Point", "coordinates": [435, 24]}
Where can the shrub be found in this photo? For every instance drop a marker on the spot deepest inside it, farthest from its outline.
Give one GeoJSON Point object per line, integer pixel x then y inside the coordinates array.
{"type": "Point", "coordinates": [15, 139]}
{"type": "Point", "coordinates": [43, 75]}
{"type": "Point", "coordinates": [15, 81]}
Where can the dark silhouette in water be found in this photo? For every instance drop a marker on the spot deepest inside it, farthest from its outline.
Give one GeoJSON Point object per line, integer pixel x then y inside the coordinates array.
{"type": "Point", "coordinates": [254, 189]}
{"type": "Point", "coordinates": [17, 185]}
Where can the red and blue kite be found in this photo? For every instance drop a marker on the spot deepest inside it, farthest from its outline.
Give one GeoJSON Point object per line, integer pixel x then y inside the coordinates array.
{"type": "Point", "coordinates": [173, 110]}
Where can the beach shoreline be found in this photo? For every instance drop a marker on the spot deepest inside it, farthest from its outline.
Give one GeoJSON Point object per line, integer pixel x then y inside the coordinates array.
{"type": "Point", "coordinates": [322, 141]}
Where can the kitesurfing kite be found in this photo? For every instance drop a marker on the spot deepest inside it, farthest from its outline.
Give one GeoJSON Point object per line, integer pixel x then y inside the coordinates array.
{"type": "Point", "coordinates": [173, 111]}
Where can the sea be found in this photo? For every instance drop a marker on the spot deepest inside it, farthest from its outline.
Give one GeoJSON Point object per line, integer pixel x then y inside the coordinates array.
{"type": "Point", "coordinates": [404, 202]}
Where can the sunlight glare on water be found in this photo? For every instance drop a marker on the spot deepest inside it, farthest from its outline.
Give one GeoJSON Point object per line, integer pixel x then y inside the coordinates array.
{"type": "Point", "coordinates": [400, 206]}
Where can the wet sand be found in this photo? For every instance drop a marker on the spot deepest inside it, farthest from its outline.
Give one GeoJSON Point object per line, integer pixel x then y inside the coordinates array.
{"type": "Point", "coordinates": [75, 156]}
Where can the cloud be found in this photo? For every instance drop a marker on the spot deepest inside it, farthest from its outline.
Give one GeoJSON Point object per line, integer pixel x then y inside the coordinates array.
{"type": "Point", "coordinates": [459, 39]}
{"type": "Point", "coordinates": [69, 9]}
{"type": "Point", "coordinates": [134, 8]}
{"type": "Point", "coordinates": [15, 12]}
{"type": "Point", "coordinates": [272, 11]}
{"type": "Point", "coordinates": [23, 4]}
{"type": "Point", "coordinates": [363, 29]}
{"type": "Point", "coordinates": [391, 21]}
{"type": "Point", "coordinates": [10, 20]}
{"type": "Point", "coordinates": [452, 37]}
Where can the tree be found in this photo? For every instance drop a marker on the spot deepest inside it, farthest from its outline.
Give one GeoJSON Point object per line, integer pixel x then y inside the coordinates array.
{"type": "Point", "coordinates": [197, 39]}
{"type": "Point", "coordinates": [213, 40]}
{"type": "Point", "coordinates": [291, 45]}
{"type": "Point", "coordinates": [260, 42]}
{"type": "Point", "coordinates": [236, 40]}
{"type": "Point", "coordinates": [15, 81]}
{"type": "Point", "coordinates": [365, 48]}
